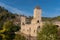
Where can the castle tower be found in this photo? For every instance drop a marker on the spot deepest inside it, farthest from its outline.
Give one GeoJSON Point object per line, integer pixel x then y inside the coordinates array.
{"type": "Point", "coordinates": [37, 12]}
{"type": "Point", "coordinates": [23, 20]}
{"type": "Point", "coordinates": [37, 15]}
{"type": "Point", "coordinates": [35, 26]}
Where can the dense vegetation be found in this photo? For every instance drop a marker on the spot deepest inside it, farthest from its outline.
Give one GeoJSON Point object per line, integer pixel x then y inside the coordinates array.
{"type": "Point", "coordinates": [51, 19]}
{"type": "Point", "coordinates": [5, 15]}
{"type": "Point", "coordinates": [49, 32]}
{"type": "Point", "coordinates": [6, 20]}
{"type": "Point", "coordinates": [7, 26]}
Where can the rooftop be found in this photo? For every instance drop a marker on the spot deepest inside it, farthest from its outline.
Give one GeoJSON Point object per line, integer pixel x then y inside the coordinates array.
{"type": "Point", "coordinates": [37, 7]}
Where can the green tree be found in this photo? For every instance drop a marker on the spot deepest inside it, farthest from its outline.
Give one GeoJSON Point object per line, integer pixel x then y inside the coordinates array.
{"type": "Point", "coordinates": [19, 37]}
{"type": "Point", "coordinates": [49, 32]}
{"type": "Point", "coordinates": [7, 36]}
{"type": "Point", "coordinates": [8, 26]}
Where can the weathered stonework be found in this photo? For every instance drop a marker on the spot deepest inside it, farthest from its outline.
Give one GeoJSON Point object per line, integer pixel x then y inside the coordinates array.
{"type": "Point", "coordinates": [30, 30]}
{"type": "Point", "coordinates": [36, 24]}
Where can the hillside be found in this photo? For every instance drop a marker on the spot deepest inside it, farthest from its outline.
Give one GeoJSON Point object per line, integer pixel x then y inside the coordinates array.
{"type": "Point", "coordinates": [51, 19]}
{"type": "Point", "coordinates": [5, 15]}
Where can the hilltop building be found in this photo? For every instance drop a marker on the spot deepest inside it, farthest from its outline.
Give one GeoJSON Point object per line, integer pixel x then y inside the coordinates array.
{"type": "Point", "coordinates": [35, 25]}
{"type": "Point", "coordinates": [30, 28]}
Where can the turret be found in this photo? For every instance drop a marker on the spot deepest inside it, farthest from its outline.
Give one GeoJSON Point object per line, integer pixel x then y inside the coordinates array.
{"type": "Point", "coordinates": [23, 20]}
{"type": "Point", "coordinates": [37, 12]}
{"type": "Point", "coordinates": [37, 15]}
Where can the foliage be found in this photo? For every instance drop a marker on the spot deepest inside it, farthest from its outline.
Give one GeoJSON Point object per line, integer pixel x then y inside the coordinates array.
{"type": "Point", "coordinates": [9, 27]}
{"type": "Point", "coordinates": [59, 34]}
{"type": "Point", "coordinates": [46, 19]}
{"type": "Point", "coordinates": [4, 16]}
{"type": "Point", "coordinates": [49, 32]}
{"type": "Point", "coordinates": [7, 36]}
{"type": "Point", "coordinates": [19, 37]}
{"type": "Point", "coordinates": [11, 37]}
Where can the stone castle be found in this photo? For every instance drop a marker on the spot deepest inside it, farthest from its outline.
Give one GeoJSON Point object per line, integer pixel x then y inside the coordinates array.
{"type": "Point", "coordinates": [35, 25]}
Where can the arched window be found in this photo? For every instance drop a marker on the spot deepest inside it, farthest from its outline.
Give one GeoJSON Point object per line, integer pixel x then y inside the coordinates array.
{"type": "Point", "coordinates": [27, 39]}
{"type": "Point", "coordinates": [38, 28]}
{"type": "Point", "coordinates": [56, 25]}
{"type": "Point", "coordinates": [34, 31]}
{"type": "Point", "coordinates": [23, 24]}
{"type": "Point", "coordinates": [38, 21]}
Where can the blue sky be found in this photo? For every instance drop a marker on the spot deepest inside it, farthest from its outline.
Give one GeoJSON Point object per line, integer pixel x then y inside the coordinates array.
{"type": "Point", "coordinates": [50, 8]}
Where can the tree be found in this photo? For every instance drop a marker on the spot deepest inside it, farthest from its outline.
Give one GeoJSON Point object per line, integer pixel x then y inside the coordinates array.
{"type": "Point", "coordinates": [49, 32]}
{"type": "Point", "coordinates": [19, 37]}
{"type": "Point", "coordinates": [8, 26]}
{"type": "Point", "coordinates": [7, 36]}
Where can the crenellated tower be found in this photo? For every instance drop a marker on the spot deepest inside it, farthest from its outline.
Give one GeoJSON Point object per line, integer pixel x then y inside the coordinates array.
{"type": "Point", "coordinates": [37, 15]}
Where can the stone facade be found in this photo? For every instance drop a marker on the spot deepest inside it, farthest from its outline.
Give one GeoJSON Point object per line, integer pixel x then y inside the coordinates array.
{"type": "Point", "coordinates": [31, 29]}
{"type": "Point", "coordinates": [36, 23]}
